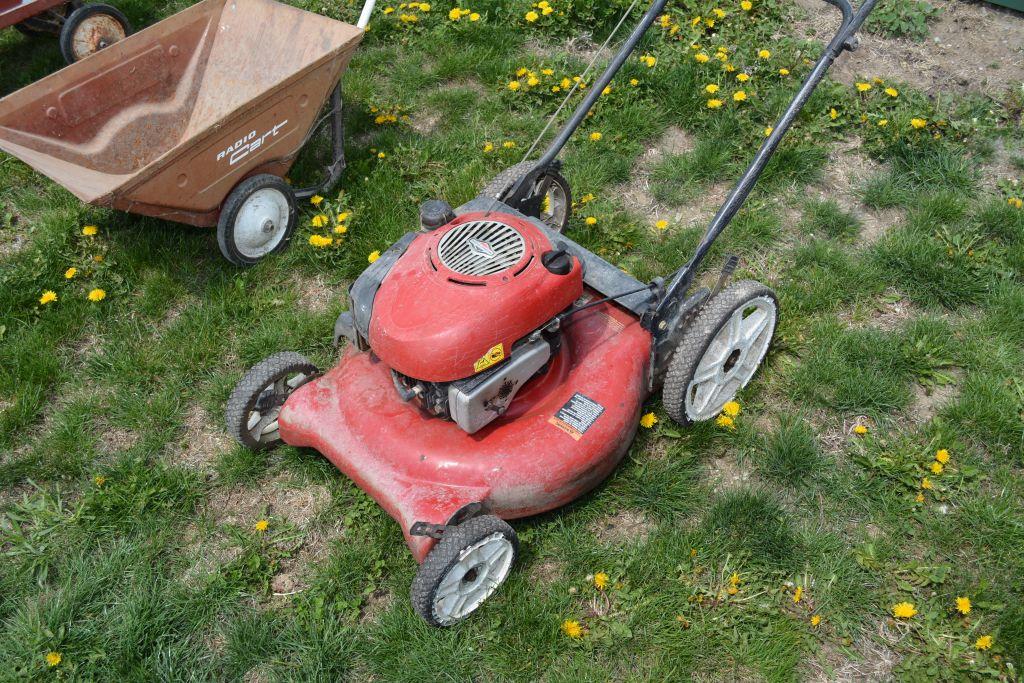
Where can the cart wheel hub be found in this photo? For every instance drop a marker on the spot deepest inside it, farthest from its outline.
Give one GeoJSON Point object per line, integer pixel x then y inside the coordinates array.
{"type": "Point", "coordinates": [731, 359]}
{"type": "Point", "coordinates": [261, 223]}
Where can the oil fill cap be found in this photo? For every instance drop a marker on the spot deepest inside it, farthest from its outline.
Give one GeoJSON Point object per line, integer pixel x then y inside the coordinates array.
{"type": "Point", "coordinates": [434, 213]}
{"type": "Point", "coordinates": [558, 261]}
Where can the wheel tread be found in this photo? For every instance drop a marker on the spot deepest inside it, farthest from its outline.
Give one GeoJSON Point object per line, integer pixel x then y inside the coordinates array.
{"type": "Point", "coordinates": [248, 389]}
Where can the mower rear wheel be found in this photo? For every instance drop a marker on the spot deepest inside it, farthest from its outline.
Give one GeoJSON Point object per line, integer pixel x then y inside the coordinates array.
{"type": "Point", "coordinates": [557, 203]}
{"type": "Point", "coordinates": [720, 351]}
{"type": "Point", "coordinates": [256, 220]}
{"type": "Point", "coordinates": [90, 28]}
{"type": "Point", "coordinates": [465, 568]}
{"type": "Point", "coordinates": [254, 405]}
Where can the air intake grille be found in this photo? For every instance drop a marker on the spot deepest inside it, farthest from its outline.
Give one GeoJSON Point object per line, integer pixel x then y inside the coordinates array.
{"type": "Point", "coordinates": [481, 248]}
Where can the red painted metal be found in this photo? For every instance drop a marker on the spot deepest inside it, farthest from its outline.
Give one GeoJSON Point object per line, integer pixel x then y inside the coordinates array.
{"type": "Point", "coordinates": [421, 468]}
{"type": "Point", "coordinates": [169, 120]}
{"type": "Point", "coordinates": [434, 324]}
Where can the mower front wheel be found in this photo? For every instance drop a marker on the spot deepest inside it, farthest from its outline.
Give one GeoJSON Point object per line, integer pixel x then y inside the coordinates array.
{"type": "Point", "coordinates": [465, 568]}
{"type": "Point", "coordinates": [254, 405]}
{"type": "Point", "coordinates": [720, 351]}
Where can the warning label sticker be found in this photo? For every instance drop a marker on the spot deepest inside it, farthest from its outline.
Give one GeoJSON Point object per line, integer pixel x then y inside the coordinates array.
{"type": "Point", "coordinates": [577, 416]}
{"type": "Point", "coordinates": [495, 355]}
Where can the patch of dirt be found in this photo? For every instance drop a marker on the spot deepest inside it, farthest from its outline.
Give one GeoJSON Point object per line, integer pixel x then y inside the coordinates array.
{"type": "Point", "coordinates": [1001, 167]}
{"type": "Point", "coordinates": [376, 604]}
{"type": "Point", "coordinates": [581, 47]}
{"type": "Point", "coordinates": [724, 474]}
{"type": "Point", "coordinates": [316, 293]}
{"type": "Point", "coordinates": [202, 442]}
{"type": "Point", "coordinates": [873, 661]}
{"type": "Point", "coordinates": [425, 122]}
{"type": "Point", "coordinates": [116, 440]}
{"type": "Point", "coordinates": [887, 313]}
{"type": "Point", "coordinates": [545, 572]}
{"type": "Point", "coordinates": [244, 505]}
{"type": "Point", "coordinates": [928, 401]}
{"type": "Point", "coordinates": [636, 194]}
{"type": "Point", "coordinates": [972, 46]}
{"type": "Point", "coordinates": [625, 527]}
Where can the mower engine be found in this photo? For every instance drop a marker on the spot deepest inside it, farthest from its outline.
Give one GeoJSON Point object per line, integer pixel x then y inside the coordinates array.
{"type": "Point", "coordinates": [464, 314]}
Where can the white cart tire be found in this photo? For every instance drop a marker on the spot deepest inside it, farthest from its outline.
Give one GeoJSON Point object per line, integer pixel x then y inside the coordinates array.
{"type": "Point", "coordinates": [257, 219]}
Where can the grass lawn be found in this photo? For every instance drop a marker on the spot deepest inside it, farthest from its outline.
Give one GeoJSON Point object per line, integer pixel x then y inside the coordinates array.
{"type": "Point", "coordinates": [877, 459]}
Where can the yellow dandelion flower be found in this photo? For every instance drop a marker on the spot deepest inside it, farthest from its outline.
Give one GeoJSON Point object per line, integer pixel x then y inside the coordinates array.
{"type": "Point", "coordinates": [316, 200]}
{"type": "Point", "coordinates": [99, 480]}
{"type": "Point", "coordinates": [768, 131]}
{"type": "Point", "coordinates": [340, 229]}
{"type": "Point", "coordinates": [97, 295]}
{"type": "Point", "coordinates": [963, 605]}
{"type": "Point", "coordinates": [732, 590]}
{"type": "Point", "coordinates": [343, 216]}
{"type": "Point", "coordinates": [572, 629]}
{"type": "Point", "coordinates": [588, 197]}
{"type": "Point", "coordinates": [764, 54]}
{"type": "Point", "coordinates": [650, 60]}
{"type": "Point", "coordinates": [262, 525]}
{"type": "Point", "coordinates": [320, 241]}
{"type": "Point", "coordinates": [833, 114]}
{"type": "Point", "coordinates": [1015, 202]}
{"type": "Point", "coordinates": [918, 123]}
{"type": "Point", "coordinates": [509, 144]}
{"type": "Point", "coordinates": [725, 422]}
{"type": "Point", "coordinates": [600, 581]}
{"type": "Point", "coordinates": [374, 255]}
{"type": "Point", "coordinates": [816, 620]}
{"type": "Point", "coordinates": [532, 16]}
{"type": "Point", "coordinates": [728, 67]}
{"type": "Point", "coordinates": [48, 297]}
{"type": "Point", "coordinates": [783, 71]}
{"type": "Point", "coordinates": [798, 594]}
{"type": "Point", "coordinates": [711, 88]}
{"type": "Point", "coordinates": [70, 273]}
{"type": "Point", "coordinates": [661, 225]}
{"type": "Point", "coordinates": [474, 16]}
{"type": "Point", "coordinates": [514, 85]}
{"type": "Point", "coordinates": [746, 5]}
{"type": "Point", "coordinates": [718, 12]}
{"type": "Point", "coordinates": [892, 92]}
{"type": "Point", "coordinates": [590, 220]}
{"type": "Point", "coordinates": [596, 136]}
{"type": "Point", "coordinates": [904, 610]}
{"type": "Point", "coordinates": [863, 87]}
{"type": "Point", "coordinates": [742, 77]}
{"type": "Point", "coordinates": [381, 155]}
{"type": "Point", "coordinates": [937, 467]}
{"type": "Point", "coordinates": [89, 230]}
{"type": "Point", "coordinates": [942, 456]}
{"type": "Point", "coordinates": [882, 123]}
{"type": "Point", "coordinates": [860, 430]}
{"type": "Point", "coordinates": [488, 147]}
{"type": "Point", "coordinates": [714, 103]}
{"type": "Point", "coordinates": [739, 96]}
{"type": "Point", "coordinates": [734, 580]}
{"type": "Point", "coordinates": [634, 82]}
{"type": "Point", "coordinates": [926, 484]}
{"type": "Point", "coordinates": [648, 420]}
{"type": "Point", "coordinates": [455, 14]}
{"type": "Point", "coordinates": [732, 408]}
{"type": "Point", "coordinates": [53, 658]}
{"type": "Point", "coordinates": [318, 221]}
{"type": "Point", "coordinates": [983, 643]}
{"type": "Point", "coordinates": [702, 58]}
{"type": "Point", "coordinates": [919, 497]}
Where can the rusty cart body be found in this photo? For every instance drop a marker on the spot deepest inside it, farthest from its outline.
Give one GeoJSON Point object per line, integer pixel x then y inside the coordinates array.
{"type": "Point", "coordinates": [195, 119]}
{"type": "Point", "coordinates": [83, 29]}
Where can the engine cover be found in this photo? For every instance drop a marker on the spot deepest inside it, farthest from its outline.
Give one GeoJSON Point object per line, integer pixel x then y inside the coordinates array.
{"type": "Point", "coordinates": [459, 297]}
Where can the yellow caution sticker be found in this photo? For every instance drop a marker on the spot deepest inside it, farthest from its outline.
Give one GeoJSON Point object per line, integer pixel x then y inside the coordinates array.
{"type": "Point", "coordinates": [495, 355]}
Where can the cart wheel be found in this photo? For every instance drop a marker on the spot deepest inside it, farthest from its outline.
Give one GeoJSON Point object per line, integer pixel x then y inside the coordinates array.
{"type": "Point", "coordinates": [257, 219]}
{"type": "Point", "coordinates": [557, 205]}
{"type": "Point", "coordinates": [91, 28]}
{"type": "Point", "coordinates": [720, 351]}
{"type": "Point", "coordinates": [252, 410]}
{"type": "Point", "coordinates": [464, 569]}
{"type": "Point", "coordinates": [49, 23]}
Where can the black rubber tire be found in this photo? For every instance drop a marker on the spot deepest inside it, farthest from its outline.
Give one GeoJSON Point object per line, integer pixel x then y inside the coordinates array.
{"type": "Point", "coordinates": [446, 553]}
{"type": "Point", "coordinates": [697, 338]}
{"type": "Point", "coordinates": [75, 19]}
{"type": "Point", "coordinates": [245, 394]}
{"type": "Point", "coordinates": [229, 212]}
{"type": "Point", "coordinates": [503, 182]}
{"type": "Point", "coordinates": [48, 24]}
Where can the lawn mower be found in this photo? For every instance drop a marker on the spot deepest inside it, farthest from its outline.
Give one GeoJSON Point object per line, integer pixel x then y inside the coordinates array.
{"type": "Point", "coordinates": [495, 369]}
{"type": "Point", "coordinates": [195, 119]}
{"type": "Point", "coordinates": [82, 29]}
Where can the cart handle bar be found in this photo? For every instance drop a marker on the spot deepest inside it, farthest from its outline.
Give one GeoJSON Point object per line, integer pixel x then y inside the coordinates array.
{"type": "Point", "coordinates": [364, 16]}
{"type": "Point", "coordinates": [845, 39]}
